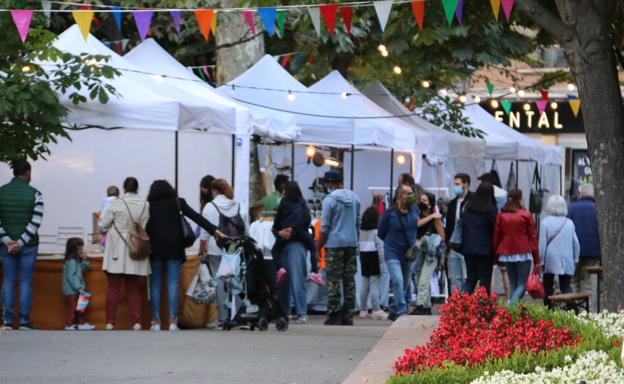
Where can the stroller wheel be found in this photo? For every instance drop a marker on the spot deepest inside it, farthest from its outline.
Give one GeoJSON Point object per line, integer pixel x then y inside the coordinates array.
{"type": "Point", "coordinates": [263, 324]}
{"type": "Point", "coordinates": [281, 324]}
{"type": "Point", "coordinates": [227, 325]}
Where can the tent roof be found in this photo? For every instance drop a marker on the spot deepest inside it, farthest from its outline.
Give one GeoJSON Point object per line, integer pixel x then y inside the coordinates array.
{"type": "Point", "coordinates": [135, 107]}
{"type": "Point", "coordinates": [229, 116]}
{"type": "Point", "coordinates": [444, 143]}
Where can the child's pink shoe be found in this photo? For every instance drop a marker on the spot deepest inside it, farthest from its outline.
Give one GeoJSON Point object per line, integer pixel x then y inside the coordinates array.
{"type": "Point", "coordinates": [280, 276]}
{"type": "Point", "coordinates": [316, 278]}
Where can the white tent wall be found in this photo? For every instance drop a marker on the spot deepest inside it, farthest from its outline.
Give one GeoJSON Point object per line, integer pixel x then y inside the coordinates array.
{"type": "Point", "coordinates": [472, 166]}
{"type": "Point", "coordinates": [551, 181]}
{"type": "Point", "coordinates": [523, 171]}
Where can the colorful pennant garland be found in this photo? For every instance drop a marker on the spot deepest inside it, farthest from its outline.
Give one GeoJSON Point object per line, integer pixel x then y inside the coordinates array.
{"type": "Point", "coordinates": [315, 15]}
{"type": "Point", "coordinates": [507, 6]}
{"type": "Point", "coordinates": [490, 87]}
{"type": "Point", "coordinates": [281, 22]}
{"type": "Point", "coordinates": [541, 106]}
{"type": "Point", "coordinates": [329, 11]}
{"type": "Point", "coordinates": [177, 20]}
{"type": "Point", "coordinates": [267, 15]}
{"type": "Point", "coordinates": [46, 6]}
{"type": "Point", "coordinates": [418, 9]}
{"type": "Point", "coordinates": [204, 20]}
{"type": "Point", "coordinates": [347, 14]}
{"type": "Point", "coordinates": [544, 94]}
{"type": "Point", "coordinates": [117, 16]}
{"type": "Point", "coordinates": [495, 7]}
{"type": "Point", "coordinates": [83, 19]}
{"type": "Point", "coordinates": [575, 105]}
{"type": "Point", "coordinates": [22, 18]}
{"type": "Point", "coordinates": [249, 19]}
{"type": "Point", "coordinates": [459, 11]}
{"type": "Point", "coordinates": [383, 9]}
{"type": "Point", "coordinates": [449, 10]}
{"type": "Point", "coordinates": [506, 106]}
{"type": "Point", "coordinates": [143, 20]}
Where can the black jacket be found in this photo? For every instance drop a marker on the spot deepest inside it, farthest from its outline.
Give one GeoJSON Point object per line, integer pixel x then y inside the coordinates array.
{"type": "Point", "coordinates": [165, 229]}
{"type": "Point", "coordinates": [478, 232]}
{"type": "Point", "coordinates": [450, 217]}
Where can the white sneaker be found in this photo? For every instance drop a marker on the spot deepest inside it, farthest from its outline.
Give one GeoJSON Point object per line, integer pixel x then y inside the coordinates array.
{"type": "Point", "coordinates": [70, 328]}
{"type": "Point", "coordinates": [363, 314]}
{"type": "Point", "coordinates": [86, 327]}
{"type": "Point", "coordinates": [110, 327]}
{"type": "Point", "coordinates": [380, 315]}
{"type": "Point", "coordinates": [136, 327]}
{"type": "Point", "coordinates": [214, 325]}
{"type": "Point", "coordinates": [155, 327]}
{"type": "Point", "coordinates": [302, 319]}
{"type": "Point", "coordinates": [173, 327]}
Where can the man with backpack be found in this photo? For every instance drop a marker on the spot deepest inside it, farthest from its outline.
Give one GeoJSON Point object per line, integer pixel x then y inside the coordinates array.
{"type": "Point", "coordinates": [339, 234]}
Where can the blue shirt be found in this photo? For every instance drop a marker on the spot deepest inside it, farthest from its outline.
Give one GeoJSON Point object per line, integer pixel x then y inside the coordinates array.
{"type": "Point", "coordinates": [396, 239]}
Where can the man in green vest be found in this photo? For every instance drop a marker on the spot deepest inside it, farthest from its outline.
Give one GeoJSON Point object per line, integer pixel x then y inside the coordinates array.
{"type": "Point", "coordinates": [21, 212]}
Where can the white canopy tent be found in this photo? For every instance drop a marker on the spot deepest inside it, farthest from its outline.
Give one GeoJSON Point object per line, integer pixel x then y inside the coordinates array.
{"type": "Point", "coordinates": [464, 154]}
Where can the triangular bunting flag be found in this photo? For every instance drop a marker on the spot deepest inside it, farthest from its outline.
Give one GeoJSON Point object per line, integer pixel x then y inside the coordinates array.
{"type": "Point", "coordinates": [207, 73]}
{"type": "Point", "coordinates": [329, 11]}
{"type": "Point", "coordinates": [315, 15]}
{"type": "Point", "coordinates": [83, 19]}
{"type": "Point", "coordinates": [213, 23]}
{"type": "Point", "coordinates": [285, 59]}
{"type": "Point", "coordinates": [490, 87]}
{"type": "Point", "coordinates": [267, 15]}
{"type": "Point", "coordinates": [177, 19]}
{"type": "Point", "coordinates": [449, 10]}
{"type": "Point", "coordinates": [117, 47]}
{"type": "Point", "coordinates": [575, 105]}
{"type": "Point", "coordinates": [124, 43]}
{"type": "Point", "coordinates": [459, 11]}
{"type": "Point", "coordinates": [204, 20]}
{"type": "Point", "coordinates": [347, 14]}
{"type": "Point", "coordinates": [544, 94]}
{"type": "Point", "coordinates": [495, 7]}
{"type": "Point", "coordinates": [507, 6]}
{"type": "Point", "coordinates": [46, 6]}
{"type": "Point", "coordinates": [418, 8]}
{"type": "Point", "coordinates": [143, 19]}
{"type": "Point", "coordinates": [506, 105]}
{"type": "Point", "coordinates": [22, 18]}
{"type": "Point", "coordinates": [298, 60]}
{"type": "Point", "coordinates": [383, 9]}
{"type": "Point", "coordinates": [541, 105]}
{"type": "Point", "coordinates": [249, 19]}
{"type": "Point", "coordinates": [281, 21]}
{"type": "Point", "coordinates": [87, 7]}
{"type": "Point", "coordinates": [117, 16]}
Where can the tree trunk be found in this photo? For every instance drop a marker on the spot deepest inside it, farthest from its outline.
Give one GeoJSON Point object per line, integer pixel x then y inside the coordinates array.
{"type": "Point", "coordinates": [583, 31]}
{"type": "Point", "coordinates": [237, 50]}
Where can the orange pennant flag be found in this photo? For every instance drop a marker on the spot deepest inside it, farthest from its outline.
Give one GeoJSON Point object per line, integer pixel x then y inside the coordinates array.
{"type": "Point", "coordinates": [496, 7]}
{"type": "Point", "coordinates": [204, 20]}
{"type": "Point", "coordinates": [418, 8]}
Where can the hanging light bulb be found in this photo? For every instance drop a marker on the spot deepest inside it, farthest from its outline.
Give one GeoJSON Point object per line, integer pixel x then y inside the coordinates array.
{"type": "Point", "coordinates": [397, 70]}
{"type": "Point", "coordinates": [494, 104]}
{"type": "Point", "coordinates": [521, 93]}
{"type": "Point", "coordinates": [291, 96]}
{"type": "Point", "coordinates": [310, 151]}
{"type": "Point", "coordinates": [381, 48]}
{"type": "Point", "coordinates": [512, 89]}
{"type": "Point", "coordinates": [91, 62]}
{"type": "Point", "coordinates": [463, 99]}
{"type": "Point", "coordinates": [425, 84]}
{"type": "Point", "coordinates": [401, 159]}
{"type": "Point", "coordinates": [571, 87]}
{"type": "Point", "coordinates": [443, 92]}
{"type": "Point", "coordinates": [527, 106]}
{"type": "Point", "coordinates": [233, 88]}
{"type": "Point", "coordinates": [384, 53]}
{"type": "Point", "coordinates": [26, 69]}
{"type": "Point", "coordinates": [158, 78]}
{"type": "Point", "coordinates": [553, 105]}
{"type": "Point", "coordinates": [477, 99]}
{"type": "Point", "coordinates": [344, 95]}
{"type": "Point", "coordinates": [408, 99]}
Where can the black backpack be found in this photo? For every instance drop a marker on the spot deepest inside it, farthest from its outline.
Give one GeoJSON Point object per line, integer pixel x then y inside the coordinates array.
{"type": "Point", "coordinates": [230, 226]}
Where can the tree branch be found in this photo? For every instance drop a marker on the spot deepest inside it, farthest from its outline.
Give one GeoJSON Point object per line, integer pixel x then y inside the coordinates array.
{"type": "Point", "coordinates": [545, 19]}
{"type": "Point", "coordinates": [241, 41]}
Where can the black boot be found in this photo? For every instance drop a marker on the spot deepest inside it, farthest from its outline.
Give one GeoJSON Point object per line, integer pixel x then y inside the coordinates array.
{"type": "Point", "coordinates": [333, 319]}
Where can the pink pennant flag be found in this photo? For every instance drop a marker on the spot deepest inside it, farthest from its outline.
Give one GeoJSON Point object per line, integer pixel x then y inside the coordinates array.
{"type": "Point", "coordinates": [177, 17]}
{"type": "Point", "coordinates": [507, 6]}
{"type": "Point", "coordinates": [249, 19]}
{"type": "Point", "coordinates": [207, 73]}
{"type": "Point", "coordinates": [541, 105]}
{"type": "Point", "coordinates": [22, 18]}
{"type": "Point", "coordinates": [143, 19]}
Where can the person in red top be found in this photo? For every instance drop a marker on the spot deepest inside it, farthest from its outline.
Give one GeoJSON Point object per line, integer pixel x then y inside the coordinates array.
{"type": "Point", "coordinates": [515, 243]}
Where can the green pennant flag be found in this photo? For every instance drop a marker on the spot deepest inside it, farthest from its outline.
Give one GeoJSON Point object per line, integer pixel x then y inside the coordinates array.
{"type": "Point", "coordinates": [281, 17]}
{"type": "Point", "coordinates": [490, 87]}
{"type": "Point", "coordinates": [449, 9]}
{"type": "Point", "coordinates": [506, 106]}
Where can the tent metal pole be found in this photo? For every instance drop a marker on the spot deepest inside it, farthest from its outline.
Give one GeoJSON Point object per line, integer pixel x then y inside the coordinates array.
{"type": "Point", "coordinates": [352, 164]}
{"type": "Point", "coordinates": [517, 173]}
{"type": "Point", "coordinates": [292, 160]}
{"type": "Point", "coordinates": [233, 159]}
{"type": "Point", "coordinates": [391, 175]}
{"type": "Point", "coordinates": [175, 180]}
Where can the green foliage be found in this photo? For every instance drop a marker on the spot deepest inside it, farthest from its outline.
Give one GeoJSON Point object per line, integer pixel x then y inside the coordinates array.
{"type": "Point", "coordinates": [33, 76]}
{"type": "Point", "coordinates": [592, 339]}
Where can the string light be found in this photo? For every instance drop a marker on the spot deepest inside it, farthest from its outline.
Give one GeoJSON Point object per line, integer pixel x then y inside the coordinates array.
{"type": "Point", "coordinates": [443, 92]}
{"type": "Point", "coordinates": [26, 69]}
{"type": "Point", "coordinates": [397, 70]}
{"type": "Point", "coordinates": [521, 93]}
{"type": "Point", "coordinates": [344, 95]}
{"type": "Point", "coordinates": [553, 105]}
{"type": "Point", "coordinates": [512, 89]}
{"type": "Point", "coordinates": [477, 99]}
{"type": "Point", "coordinates": [571, 87]}
{"type": "Point", "coordinates": [381, 48]}
{"type": "Point", "coordinates": [425, 84]}
{"type": "Point", "coordinates": [233, 88]}
{"type": "Point", "coordinates": [384, 53]}
{"type": "Point", "coordinates": [291, 96]}
{"type": "Point", "coordinates": [310, 151]}
{"type": "Point", "coordinates": [526, 106]}
{"type": "Point", "coordinates": [494, 104]}
{"type": "Point", "coordinates": [91, 62]}
{"type": "Point", "coordinates": [401, 159]}
{"type": "Point", "coordinates": [408, 99]}
{"type": "Point", "coordinates": [158, 78]}
{"type": "Point", "coordinates": [463, 99]}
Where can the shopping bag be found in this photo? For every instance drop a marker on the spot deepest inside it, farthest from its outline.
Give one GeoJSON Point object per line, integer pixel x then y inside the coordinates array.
{"type": "Point", "coordinates": [534, 286]}
{"type": "Point", "coordinates": [230, 264]}
{"type": "Point", "coordinates": [83, 302]}
{"type": "Point", "coordinates": [201, 290]}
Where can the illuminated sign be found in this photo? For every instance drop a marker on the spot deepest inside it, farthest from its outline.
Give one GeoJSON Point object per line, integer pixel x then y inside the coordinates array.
{"type": "Point", "coordinates": [551, 121]}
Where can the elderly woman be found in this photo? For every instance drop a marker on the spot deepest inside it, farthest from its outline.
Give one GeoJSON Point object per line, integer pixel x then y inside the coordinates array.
{"type": "Point", "coordinates": [558, 247]}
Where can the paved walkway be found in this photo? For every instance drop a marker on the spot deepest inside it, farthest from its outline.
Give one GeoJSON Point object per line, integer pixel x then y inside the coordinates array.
{"type": "Point", "coordinates": [310, 353]}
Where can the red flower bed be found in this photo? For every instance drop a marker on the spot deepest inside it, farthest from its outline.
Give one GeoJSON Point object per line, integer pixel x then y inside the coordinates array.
{"type": "Point", "coordinates": [473, 328]}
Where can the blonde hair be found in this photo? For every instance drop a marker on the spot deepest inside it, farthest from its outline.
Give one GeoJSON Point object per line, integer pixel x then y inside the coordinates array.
{"type": "Point", "coordinates": [222, 187]}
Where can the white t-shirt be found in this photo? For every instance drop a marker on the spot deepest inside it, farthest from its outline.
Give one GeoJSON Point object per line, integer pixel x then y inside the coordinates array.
{"type": "Point", "coordinates": [458, 208]}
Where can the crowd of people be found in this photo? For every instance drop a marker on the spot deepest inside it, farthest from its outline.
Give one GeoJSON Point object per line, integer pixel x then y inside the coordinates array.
{"type": "Point", "coordinates": [370, 257]}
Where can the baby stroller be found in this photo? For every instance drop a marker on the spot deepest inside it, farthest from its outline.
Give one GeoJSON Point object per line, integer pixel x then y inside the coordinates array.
{"type": "Point", "coordinates": [251, 295]}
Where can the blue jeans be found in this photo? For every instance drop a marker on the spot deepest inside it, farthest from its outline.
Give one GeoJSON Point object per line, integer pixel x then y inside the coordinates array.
{"type": "Point", "coordinates": [17, 268]}
{"type": "Point", "coordinates": [399, 278]}
{"type": "Point", "coordinates": [456, 267]}
{"type": "Point", "coordinates": [293, 259]}
{"type": "Point", "coordinates": [173, 286]}
{"type": "Point", "coordinates": [518, 273]}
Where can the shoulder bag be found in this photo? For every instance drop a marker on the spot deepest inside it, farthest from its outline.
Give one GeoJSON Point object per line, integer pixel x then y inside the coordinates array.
{"type": "Point", "coordinates": [536, 197]}
{"type": "Point", "coordinates": [138, 240]}
{"type": "Point", "coordinates": [188, 236]}
{"type": "Point", "coordinates": [412, 252]}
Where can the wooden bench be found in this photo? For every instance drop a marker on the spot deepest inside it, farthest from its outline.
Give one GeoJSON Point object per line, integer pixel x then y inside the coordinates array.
{"type": "Point", "coordinates": [598, 272]}
{"type": "Point", "coordinates": [573, 301]}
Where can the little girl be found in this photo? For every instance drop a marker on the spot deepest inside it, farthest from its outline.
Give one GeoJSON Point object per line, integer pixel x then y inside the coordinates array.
{"type": "Point", "coordinates": [76, 264]}
{"type": "Point", "coordinates": [372, 262]}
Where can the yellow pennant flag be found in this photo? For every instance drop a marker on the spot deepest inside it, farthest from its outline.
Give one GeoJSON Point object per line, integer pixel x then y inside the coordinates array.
{"type": "Point", "coordinates": [575, 105]}
{"type": "Point", "coordinates": [213, 25]}
{"type": "Point", "coordinates": [496, 7]}
{"type": "Point", "coordinates": [83, 19]}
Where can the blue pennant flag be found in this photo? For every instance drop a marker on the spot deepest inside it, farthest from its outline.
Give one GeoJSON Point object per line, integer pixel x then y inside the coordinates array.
{"type": "Point", "coordinates": [117, 16]}
{"type": "Point", "coordinates": [267, 15]}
